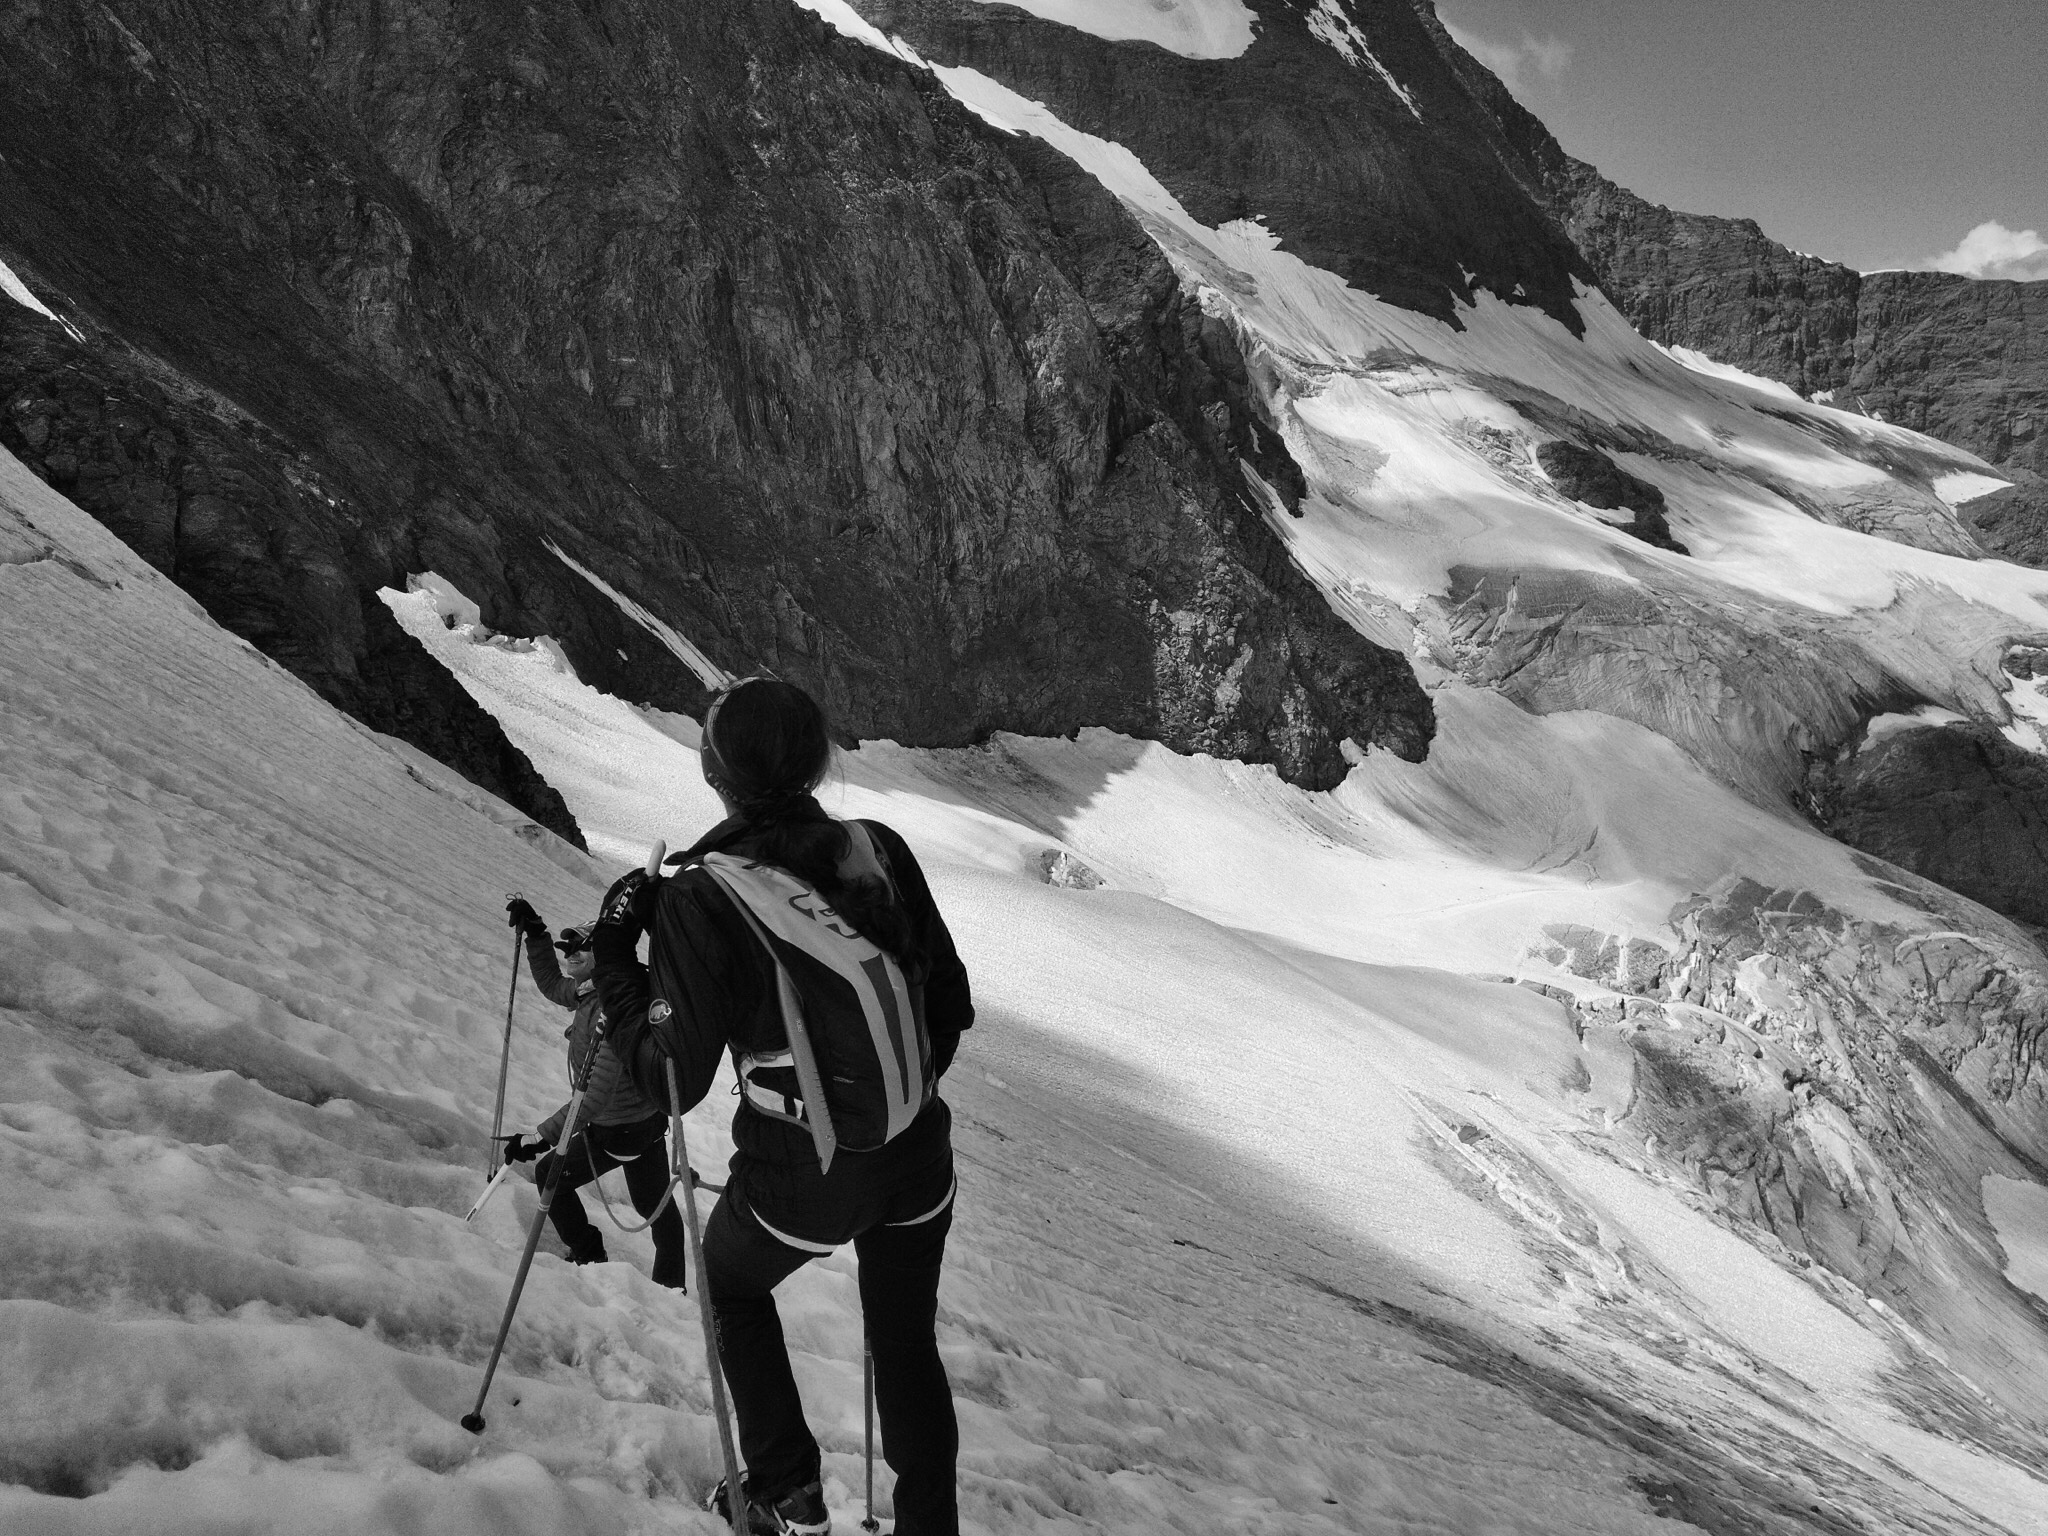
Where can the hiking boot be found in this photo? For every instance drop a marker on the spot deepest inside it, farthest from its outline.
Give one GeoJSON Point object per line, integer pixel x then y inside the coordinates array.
{"type": "Point", "coordinates": [588, 1253]}
{"type": "Point", "coordinates": [800, 1512]}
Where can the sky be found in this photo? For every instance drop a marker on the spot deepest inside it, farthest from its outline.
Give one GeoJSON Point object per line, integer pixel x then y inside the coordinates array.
{"type": "Point", "coordinates": [1878, 133]}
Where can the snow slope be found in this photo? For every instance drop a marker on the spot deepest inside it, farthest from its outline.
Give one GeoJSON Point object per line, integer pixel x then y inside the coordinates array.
{"type": "Point", "coordinates": [1249, 1190]}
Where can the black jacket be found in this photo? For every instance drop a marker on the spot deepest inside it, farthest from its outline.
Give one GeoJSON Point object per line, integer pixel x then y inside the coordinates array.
{"type": "Point", "coordinates": [720, 985]}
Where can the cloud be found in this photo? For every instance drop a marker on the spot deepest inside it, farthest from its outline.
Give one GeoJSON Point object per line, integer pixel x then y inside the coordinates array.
{"type": "Point", "coordinates": [1517, 63]}
{"type": "Point", "coordinates": [1992, 250]}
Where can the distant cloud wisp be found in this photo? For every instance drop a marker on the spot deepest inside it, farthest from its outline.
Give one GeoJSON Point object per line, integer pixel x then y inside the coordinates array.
{"type": "Point", "coordinates": [1517, 63]}
{"type": "Point", "coordinates": [1992, 250]}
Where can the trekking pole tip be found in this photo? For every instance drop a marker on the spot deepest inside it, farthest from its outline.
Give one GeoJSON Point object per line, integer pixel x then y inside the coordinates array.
{"type": "Point", "coordinates": [655, 856]}
{"type": "Point", "coordinates": [473, 1422]}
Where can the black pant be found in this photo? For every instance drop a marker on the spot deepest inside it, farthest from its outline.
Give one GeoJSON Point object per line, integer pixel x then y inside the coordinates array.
{"type": "Point", "coordinates": [900, 1256]}
{"type": "Point", "coordinates": [637, 1147]}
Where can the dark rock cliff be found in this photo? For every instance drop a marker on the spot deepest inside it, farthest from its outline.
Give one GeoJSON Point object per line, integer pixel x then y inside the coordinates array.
{"type": "Point", "coordinates": [1401, 193]}
{"type": "Point", "coordinates": [1959, 804]}
{"type": "Point", "coordinates": [751, 320]}
{"type": "Point", "coordinates": [220, 505]}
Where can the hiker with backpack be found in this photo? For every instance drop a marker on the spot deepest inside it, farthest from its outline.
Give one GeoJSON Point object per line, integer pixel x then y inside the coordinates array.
{"type": "Point", "coordinates": [619, 1126]}
{"type": "Point", "coordinates": [779, 915]}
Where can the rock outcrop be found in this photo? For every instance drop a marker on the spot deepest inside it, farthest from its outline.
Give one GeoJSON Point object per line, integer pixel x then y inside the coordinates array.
{"type": "Point", "coordinates": [1354, 141]}
{"type": "Point", "coordinates": [2012, 522]}
{"type": "Point", "coordinates": [1587, 475]}
{"type": "Point", "coordinates": [752, 321]}
{"type": "Point", "coordinates": [1958, 804]}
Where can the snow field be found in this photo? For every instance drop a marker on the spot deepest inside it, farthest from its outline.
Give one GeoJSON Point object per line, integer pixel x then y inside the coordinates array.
{"type": "Point", "coordinates": [1291, 993]}
{"type": "Point", "coordinates": [2019, 1213]}
{"type": "Point", "coordinates": [1252, 1218]}
{"type": "Point", "coordinates": [249, 1029]}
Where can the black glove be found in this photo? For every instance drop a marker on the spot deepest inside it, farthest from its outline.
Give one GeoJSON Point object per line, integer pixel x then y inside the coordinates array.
{"type": "Point", "coordinates": [629, 905]}
{"type": "Point", "coordinates": [523, 1149]}
{"type": "Point", "coordinates": [519, 913]}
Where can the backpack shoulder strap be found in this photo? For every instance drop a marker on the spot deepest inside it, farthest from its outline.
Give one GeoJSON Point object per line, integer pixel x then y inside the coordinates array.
{"type": "Point", "coordinates": [868, 856]}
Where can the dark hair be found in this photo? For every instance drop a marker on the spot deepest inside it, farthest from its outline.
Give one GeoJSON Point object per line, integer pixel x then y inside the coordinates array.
{"type": "Point", "coordinates": [766, 748]}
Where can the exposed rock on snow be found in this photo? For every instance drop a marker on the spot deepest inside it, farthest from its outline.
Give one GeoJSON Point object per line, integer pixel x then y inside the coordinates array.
{"type": "Point", "coordinates": [1589, 476]}
{"type": "Point", "coordinates": [1959, 804]}
{"type": "Point", "coordinates": [1061, 868]}
{"type": "Point", "coordinates": [2013, 522]}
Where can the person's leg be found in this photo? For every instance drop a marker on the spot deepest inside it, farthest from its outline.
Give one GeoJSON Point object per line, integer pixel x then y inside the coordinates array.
{"type": "Point", "coordinates": [742, 1267]}
{"type": "Point", "coordinates": [571, 1222]}
{"type": "Point", "coordinates": [899, 1298]}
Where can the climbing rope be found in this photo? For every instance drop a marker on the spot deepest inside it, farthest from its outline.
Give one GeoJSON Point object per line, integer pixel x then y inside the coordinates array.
{"type": "Point", "coordinates": [675, 1178]}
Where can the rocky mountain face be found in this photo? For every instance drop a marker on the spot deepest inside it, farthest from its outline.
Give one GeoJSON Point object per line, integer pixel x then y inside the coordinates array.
{"type": "Point", "coordinates": [1341, 128]}
{"type": "Point", "coordinates": [1955, 357]}
{"type": "Point", "coordinates": [1959, 358]}
{"type": "Point", "coordinates": [754, 323]}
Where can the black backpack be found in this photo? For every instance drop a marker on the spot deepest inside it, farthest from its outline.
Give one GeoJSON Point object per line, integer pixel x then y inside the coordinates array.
{"type": "Point", "coordinates": [858, 1055]}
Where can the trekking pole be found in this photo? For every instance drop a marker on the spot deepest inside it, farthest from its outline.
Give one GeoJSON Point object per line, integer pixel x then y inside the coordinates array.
{"type": "Point", "coordinates": [679, 1153]}
{"type": "Point", "coordinates": [505, 1055]}
{"type": "Point", "coordinates": [473, 1421]}
{"type": "Point", "coordinates": [735, 1496]}
{"type": "Point", "coordinates": [867, 1388]}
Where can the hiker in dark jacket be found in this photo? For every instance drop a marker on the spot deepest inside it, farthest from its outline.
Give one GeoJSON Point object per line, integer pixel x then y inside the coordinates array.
{"type": "Point", "coordinates": [620, 1126]}
{"type": "Point", "coordinates": [712, 985]}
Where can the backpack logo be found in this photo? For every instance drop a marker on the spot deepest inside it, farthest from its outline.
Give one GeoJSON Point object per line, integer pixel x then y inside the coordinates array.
{"type": "Point", "coordinates": [812, 905]}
